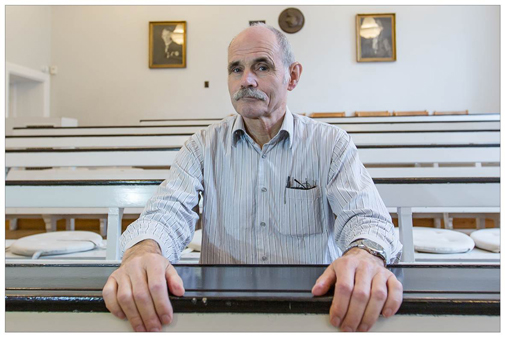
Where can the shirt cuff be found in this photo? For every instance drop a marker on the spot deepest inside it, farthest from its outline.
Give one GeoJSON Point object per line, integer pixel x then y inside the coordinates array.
{"type": "Point", "coordinates": [137, 239]}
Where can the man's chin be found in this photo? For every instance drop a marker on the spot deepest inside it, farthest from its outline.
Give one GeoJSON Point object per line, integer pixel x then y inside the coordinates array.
{"type": "Point", "coordinates": [251, 110]}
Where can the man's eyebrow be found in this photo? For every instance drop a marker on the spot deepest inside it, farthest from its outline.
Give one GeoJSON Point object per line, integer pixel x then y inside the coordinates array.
{"type": "Point", "coordinates": [232, 65]}
{"type": "Point", "coordinates": [265, 60]}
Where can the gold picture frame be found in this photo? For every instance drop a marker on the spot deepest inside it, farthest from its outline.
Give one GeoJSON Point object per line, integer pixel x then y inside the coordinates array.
{"type": "Point", "coordinates": [376, 37]}
{"type": "Point", "coordinates": [167, 44]}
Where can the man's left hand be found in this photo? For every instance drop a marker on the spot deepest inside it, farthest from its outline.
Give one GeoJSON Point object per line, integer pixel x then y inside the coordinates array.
{"type": "Point", "coordinates": [364, 288]}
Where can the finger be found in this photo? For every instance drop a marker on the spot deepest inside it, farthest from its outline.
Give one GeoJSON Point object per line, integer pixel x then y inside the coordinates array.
{"type": "Point", "coordinates": [324, 282]}
{"type": "Point", "coordinates": [109, 294]}
{"type": "Point", "coordinates": [378, 297]}
{"type": "Point", "coordinates": [127, 303]}
{"type": "Point", "coordinates": [359, 298]}
{"type": "Point", "coordinates": [395, 296]}
{"type": "Point", "coordinates": [174, 281]}
{"type": "Point", "coordinates": [343, 290]}
{"type": "Point", "coordinates": [159, 293]}
{"type": "Point", "coordinates": [144, 301]}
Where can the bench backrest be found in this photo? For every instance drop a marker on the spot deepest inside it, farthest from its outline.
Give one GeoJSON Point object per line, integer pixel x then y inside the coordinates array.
{"type": "Point", "coordinates": [164, 157]}
{"type": "Point", "coordinates": [169, 130]}
{"type": "Point", "coordinates": [158, 140]}
{"type": "Point", "coordinates": [449, 192]}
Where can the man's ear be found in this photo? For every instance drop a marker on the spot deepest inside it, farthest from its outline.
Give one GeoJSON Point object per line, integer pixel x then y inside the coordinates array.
{"type": "Point", "coordinates": [295, 71]}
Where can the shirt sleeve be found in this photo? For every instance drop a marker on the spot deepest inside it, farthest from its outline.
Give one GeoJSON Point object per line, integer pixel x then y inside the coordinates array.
{"type": "Point", "coordinates": [168, 217]}
{"type": "Point", "coordinates": [356, 203]}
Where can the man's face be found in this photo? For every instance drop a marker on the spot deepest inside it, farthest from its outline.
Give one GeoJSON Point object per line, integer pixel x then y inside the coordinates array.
{"type": "Point", "coordinates": [256, 74]}
{"type": "Point", "coordinates": [166, 35]}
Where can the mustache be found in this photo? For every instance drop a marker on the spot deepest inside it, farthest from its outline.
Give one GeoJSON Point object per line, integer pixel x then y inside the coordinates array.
{"type": "Point", "coordinates": [249, 92]}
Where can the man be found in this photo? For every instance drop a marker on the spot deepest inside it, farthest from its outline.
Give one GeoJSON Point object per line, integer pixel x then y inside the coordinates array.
{"type": "Point", "coordinates": [167, 52]}
{"type": "Point", "coordinates": [277, 188]}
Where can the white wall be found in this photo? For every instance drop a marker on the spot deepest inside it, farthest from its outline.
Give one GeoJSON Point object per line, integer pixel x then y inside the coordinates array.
{"type": "Point", "coordinates": [447, 59]}
{"type": "Point", "coordinates": [28, 36]}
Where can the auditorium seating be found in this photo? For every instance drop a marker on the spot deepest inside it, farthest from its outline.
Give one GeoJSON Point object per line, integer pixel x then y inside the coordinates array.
{"type": "Point", "coordinates": [433, 195]}
{"type": "Point", "coordinates": [469, 152]}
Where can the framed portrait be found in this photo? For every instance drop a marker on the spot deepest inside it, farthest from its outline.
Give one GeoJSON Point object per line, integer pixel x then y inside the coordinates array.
{"type": "Point", "coordinates": [167, 44]}
{"type": "Point", "coordinates": [375, 37]}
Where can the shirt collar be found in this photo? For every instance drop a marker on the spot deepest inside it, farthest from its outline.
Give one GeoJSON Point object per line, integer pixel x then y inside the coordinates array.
{"type": "Point", "coordinates": [287, 126]}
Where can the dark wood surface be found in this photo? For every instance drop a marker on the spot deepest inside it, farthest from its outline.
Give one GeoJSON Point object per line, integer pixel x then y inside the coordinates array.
{"type": "Point", "coordinates": [431, 290]}
{"type": "Point", "coordinates": [448, 180]}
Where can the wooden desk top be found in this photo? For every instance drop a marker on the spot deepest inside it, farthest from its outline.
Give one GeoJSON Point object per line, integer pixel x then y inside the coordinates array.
{"type": "Point", "coordinates": [428, 289]}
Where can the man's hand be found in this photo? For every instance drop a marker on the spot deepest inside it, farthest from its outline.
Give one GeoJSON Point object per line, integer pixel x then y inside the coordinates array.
{"type": "Point", "coordinates": [137, 290]}
{"type": "Point", "coordinates": [363, 289]}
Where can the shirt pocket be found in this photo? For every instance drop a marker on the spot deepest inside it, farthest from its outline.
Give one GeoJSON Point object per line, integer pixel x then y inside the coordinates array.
{"type": "Point", "coordinates": [302, 212]}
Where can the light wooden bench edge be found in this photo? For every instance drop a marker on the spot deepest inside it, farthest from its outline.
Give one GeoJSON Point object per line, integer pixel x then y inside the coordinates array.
{"type": "Point", "coordinates": [438, 113]}
{"type": "Point", "coordinates": [326, 114]}
{"type": "Point", "coordinates": [372, 113]}
{"type": "Point", "coordinates": [410, 113]}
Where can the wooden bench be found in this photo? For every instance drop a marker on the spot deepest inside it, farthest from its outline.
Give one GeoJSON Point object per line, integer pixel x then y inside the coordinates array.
{"type": "Point", "coordinates": [414, 119]}
{"type": "Point", "coordinates": [381, 161]}
{"type": "Point", "coordinates": [464, 112]}
{"type": "Point", "coordinates": [349, 127]}
{"type": "Point", "coordinates": [372, 113]}
{"type": "Point", "coordinates": [484, 122]}
{"type": "Point", "coordinates": [36, 122]}
{"type": "Point", "coordinates": [468, 137]}
{"type": "Point", "coordinates": [106, 164]}
{"type": "Point", "coordinates": [474, 195]}
{"type": "Point", "coordinates": [410, 113]}
{"type": "Point", "coordinates": [326, 114]}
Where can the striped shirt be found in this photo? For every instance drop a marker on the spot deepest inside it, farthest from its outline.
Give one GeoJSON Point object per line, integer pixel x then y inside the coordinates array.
{"type": "Point", "coordinates": [252, 214]}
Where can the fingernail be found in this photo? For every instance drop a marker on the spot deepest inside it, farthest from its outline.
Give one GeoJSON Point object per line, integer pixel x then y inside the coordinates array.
{"type": "Point", "coordinates": [140, 328]}
{"type": "Point", "coordinates": [120, 315]}
{"type": "Point", "coordinates": [347, 329]}
{"type": "Point", "coordinates": [335, 321]}
{"type": "Point", "coordinates": [166, 319]}
{"type": "Point", "coordinates": [363, 328]}
{"type": "Point", "coordinates": [387, 312]}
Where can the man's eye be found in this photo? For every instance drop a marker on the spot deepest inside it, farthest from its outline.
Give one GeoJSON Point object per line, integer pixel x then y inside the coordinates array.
{"type": "Point", "coordinates": [235, 70]}
{"type": "Point", "coordinates": [262, 68]}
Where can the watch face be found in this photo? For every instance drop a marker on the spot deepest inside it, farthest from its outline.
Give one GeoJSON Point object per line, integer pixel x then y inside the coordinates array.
{"type": "Point", "coordinates": [372, 245]}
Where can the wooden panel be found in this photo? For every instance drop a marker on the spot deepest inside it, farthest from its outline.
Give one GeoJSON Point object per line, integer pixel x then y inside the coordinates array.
{"type": "Point", "coordinates": [372, 113]}
{"type": "Point", "coordinates": [36, 226]}
{"type": "Point", "coordinates": [457, 223]}
{"type": "Point", "coordinates": [327, 114]}
{"type": "Point", "coordinates": [410, 113]}
{"type": "Point", "coordinates": [451, 112]}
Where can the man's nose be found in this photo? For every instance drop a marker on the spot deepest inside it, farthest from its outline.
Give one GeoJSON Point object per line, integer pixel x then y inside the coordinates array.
{"type": "Point", "coordinates": [249, 79]}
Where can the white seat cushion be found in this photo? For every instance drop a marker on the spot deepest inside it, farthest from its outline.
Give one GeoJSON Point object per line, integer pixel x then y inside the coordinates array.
{"type": "Point", "coordinates": [196, 243]}
{"type": "Point", "coordinates": [487, 239]}
{"type": "Point", "coordinates": [54, 243]}
{"type": "Point", "coordinates": [441, 241]}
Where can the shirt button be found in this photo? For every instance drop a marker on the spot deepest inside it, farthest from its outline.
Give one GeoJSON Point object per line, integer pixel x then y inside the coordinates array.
{"type": "Point", "coordinates": [264, 258]}
{"type": "Point", "coordinates": [263, 224]}
{"type": "Point", "coordinates": [264, 156]}
{"type": "Point", "coordinates": [264, 189]}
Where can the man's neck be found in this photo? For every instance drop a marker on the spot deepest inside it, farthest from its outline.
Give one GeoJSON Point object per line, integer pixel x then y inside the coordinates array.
{"type": "Point", "coordinates": [263, 129]}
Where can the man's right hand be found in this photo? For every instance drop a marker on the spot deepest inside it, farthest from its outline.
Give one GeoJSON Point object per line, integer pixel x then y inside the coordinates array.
{"type": "Point", "coordinates": [137, 290]}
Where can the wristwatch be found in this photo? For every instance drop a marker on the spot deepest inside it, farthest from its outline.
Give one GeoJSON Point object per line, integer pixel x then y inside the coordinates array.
{"type": "Point", "coordinates": [371, 247]}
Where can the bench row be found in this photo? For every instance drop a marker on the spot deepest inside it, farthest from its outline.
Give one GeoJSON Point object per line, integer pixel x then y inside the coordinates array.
{"type": "Point", "coordinates": [177, 140]}
{"type": "Point", "coordinates": [474, 156]}
{"type": "Point", "coordinates": [192, 126]}
{"type": "Point", "coordinates": [478, 195]}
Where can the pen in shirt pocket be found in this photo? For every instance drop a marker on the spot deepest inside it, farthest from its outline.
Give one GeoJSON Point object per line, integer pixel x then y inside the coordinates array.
{"type": "Point", "coordinates": [286, 189]}
{"type": "Point", "coordinates": [303, 186]}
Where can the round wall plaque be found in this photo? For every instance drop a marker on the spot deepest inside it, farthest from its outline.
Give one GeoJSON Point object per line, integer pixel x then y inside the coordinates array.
{"type": "Point", "coordinates": [291, 20]}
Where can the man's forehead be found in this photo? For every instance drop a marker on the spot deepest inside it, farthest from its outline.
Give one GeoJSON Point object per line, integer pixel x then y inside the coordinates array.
{"type": "Point", "coordinates": [253, 44]}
